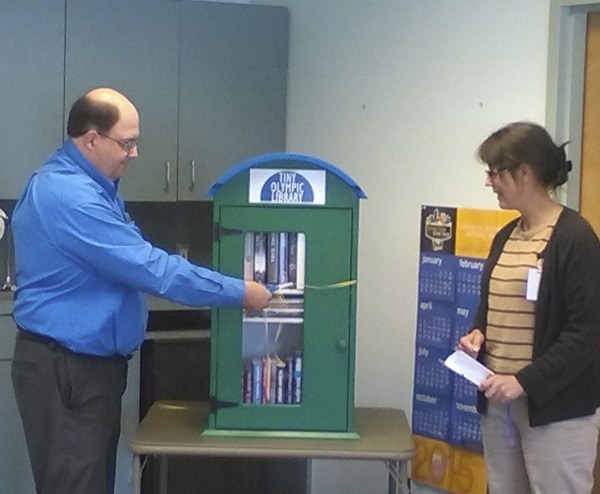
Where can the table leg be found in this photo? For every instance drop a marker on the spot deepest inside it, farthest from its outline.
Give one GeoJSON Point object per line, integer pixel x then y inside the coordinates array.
{"type": "Point", "coordinates": [398, 471]}
{"type": "Point", "coordinates": [403, 469]}
{"type": "Point", "coordinates": [163, 474]}
{"type": "Point", "coordinates": [137, 475]}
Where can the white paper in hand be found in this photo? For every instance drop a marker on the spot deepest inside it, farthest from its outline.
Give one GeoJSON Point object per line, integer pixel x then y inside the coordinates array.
{"type": "Point", "coordinates": [466, 366]}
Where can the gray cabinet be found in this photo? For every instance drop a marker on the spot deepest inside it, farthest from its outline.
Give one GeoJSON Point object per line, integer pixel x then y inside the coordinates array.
{"type": "Point", "coordinates": [209, 80]}
{"type": "Point", "coordinates": [15, 471]}
{"type": "Point", "coordinates": [31, 87]}
{"type": "Point", "coordinates": [134, 47]}
{"type": "Point", "coordinates": [232, 101]}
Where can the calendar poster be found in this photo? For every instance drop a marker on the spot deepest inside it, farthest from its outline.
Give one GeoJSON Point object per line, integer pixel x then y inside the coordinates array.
{"type": "Point", "coordinates": [447, 427]}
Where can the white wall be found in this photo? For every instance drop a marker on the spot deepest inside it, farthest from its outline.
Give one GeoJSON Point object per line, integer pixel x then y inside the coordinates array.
{"type": "Point", "coordinates": [399, 93]}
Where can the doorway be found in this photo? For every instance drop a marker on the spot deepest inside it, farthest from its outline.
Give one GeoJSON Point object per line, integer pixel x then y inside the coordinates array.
{"type": "Point", "coordinates": [590, 147]}
{"type": "Point", "coordinates": [590, 139]}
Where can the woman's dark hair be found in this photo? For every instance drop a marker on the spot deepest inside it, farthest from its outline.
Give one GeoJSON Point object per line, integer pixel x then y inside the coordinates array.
{"type": "Point", "coordinates": [526, 142]}
{"type": "Point", "coordinates": [90, 113]}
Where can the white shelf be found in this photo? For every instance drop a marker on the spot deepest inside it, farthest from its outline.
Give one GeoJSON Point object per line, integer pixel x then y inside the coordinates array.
{"type": "Point", "coordinates": [273, 320]}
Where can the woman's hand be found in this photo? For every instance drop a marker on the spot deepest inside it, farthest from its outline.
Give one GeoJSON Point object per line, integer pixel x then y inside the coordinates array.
{"type": "Point", "coordinates": [501, 388]}
{"type": "Point", "coordinates": [471, 343]}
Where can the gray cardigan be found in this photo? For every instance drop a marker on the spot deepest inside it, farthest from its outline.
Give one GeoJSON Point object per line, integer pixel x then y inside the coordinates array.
{"type": "Point", "coordinates": [563, 380]}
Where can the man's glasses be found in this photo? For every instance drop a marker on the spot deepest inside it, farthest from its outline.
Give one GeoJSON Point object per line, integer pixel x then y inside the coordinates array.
{"type": "Point", "coordinates": [127, 145]}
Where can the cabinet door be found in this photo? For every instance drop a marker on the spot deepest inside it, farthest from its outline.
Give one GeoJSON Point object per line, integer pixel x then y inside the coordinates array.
{"type": "Point", "coordinates": [8, 333]}
{"type": "Point", "coordinates": [132, 46]}
{"type": "Point", "coordinates": [233, 89]}
{"type": "Point", "coordinates": [31, 88]}
{"type": "Point", "coordinates": [15, 469]}
{"type": "Point", "coordinates": [326, 339]}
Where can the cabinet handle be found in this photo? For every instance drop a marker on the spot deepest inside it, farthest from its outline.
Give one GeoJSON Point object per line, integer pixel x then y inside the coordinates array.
{"type": "Point", "coordinates": [192, 174]}
{"type": "Point", "coordinates": [342, 344]}
{"type": "Point", "coordinates": [167, 176]}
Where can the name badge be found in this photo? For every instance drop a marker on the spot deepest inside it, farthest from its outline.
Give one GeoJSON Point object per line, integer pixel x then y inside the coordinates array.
{"type": "Point", "coordinates": [533, 284]}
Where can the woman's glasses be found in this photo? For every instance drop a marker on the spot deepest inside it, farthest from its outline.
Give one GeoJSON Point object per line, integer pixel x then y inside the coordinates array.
{"type": "Point", "coordinates": [493, 173]}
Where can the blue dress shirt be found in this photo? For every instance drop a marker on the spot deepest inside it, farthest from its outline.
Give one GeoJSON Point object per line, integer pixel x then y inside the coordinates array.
{"type": "Point", "coordinates": [82, 266]}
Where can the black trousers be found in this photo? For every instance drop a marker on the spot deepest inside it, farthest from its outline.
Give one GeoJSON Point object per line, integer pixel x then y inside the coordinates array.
{"type": "Point", "coordinates": [70, 406]}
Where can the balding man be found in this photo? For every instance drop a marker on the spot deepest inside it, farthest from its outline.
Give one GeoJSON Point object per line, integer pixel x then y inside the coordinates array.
{"type": "Point", "coordinates": [82, 270]}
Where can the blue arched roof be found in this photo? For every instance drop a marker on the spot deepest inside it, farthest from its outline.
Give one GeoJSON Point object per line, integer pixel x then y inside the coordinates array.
{"type": "Point", "coordinates": [266, 158]}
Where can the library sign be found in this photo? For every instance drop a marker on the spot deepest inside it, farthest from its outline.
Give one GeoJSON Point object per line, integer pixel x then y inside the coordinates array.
{"type": "Point", "coordinates": [286, 186]}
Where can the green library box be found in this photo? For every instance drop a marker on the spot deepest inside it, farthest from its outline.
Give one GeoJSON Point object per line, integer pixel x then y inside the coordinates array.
{"type": "Point", "coordinates": [289, 221]}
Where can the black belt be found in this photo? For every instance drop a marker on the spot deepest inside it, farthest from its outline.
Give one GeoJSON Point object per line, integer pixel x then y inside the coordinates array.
{"type": "Point", "coordinates": [54, 345]}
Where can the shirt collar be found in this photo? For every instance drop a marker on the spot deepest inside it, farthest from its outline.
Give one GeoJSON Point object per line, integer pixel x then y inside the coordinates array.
{"type": "Point", "coordinates": [88, 167]}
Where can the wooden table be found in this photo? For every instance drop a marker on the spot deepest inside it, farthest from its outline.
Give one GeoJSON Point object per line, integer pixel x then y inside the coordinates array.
{"type": "Point", "coordinates": [173, 428]}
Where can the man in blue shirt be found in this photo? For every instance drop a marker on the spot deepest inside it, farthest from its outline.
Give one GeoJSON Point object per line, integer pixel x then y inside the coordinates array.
{"type": "Point", "coordinates": [83, 268]}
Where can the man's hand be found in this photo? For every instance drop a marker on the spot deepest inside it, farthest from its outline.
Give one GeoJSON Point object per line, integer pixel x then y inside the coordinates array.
{"type": "Point", "coordinates": [256, 296]}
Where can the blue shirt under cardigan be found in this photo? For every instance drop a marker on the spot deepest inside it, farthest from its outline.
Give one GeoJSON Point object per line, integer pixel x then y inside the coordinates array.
{"type": "Point", "coordinates": [82, 265]}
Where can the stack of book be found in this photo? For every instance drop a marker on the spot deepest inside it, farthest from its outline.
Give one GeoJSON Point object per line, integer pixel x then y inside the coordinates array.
{"type": "Point", "coordinates": [273, 381]}
{"type": "Point", "coordinates": [275, 258]}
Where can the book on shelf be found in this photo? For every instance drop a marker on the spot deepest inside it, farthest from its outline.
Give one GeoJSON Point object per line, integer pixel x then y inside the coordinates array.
{"type": "Point", "coordinates": [292, 256]}
{"type": "Point", "coordinates": [283, 262]}
{"type": "Point", "coordinates": [272, 381]}
{"type": "Point", "coordinates": [266, 382]}
{"type": "Point", "coordinates": [289, 383]}
{"type": "Point", "coordinates": [247, 383]}
{"type": "Point", "coordinates": [300, 260]}
{"type": "Point", "coordinates": [276, 259]}
{"type": "Point", "coordinates": [296, 378]}
{"type": "Point", "coordinates": [260, 257]}
{"type": "Point", "coordinates": [249, 256]}
{"type": "Point", "coordinates": [281, 382]}
{"type": "Point", "coordinates": [272, 257]}
{"type": "Point", "coordinates": [257, 381]}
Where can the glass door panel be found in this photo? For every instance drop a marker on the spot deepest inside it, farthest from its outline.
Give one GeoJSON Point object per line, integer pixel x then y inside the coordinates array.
{"type": "Point", "coordinates": [272, 342]}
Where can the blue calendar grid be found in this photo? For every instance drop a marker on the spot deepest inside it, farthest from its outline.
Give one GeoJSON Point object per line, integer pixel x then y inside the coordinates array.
{"type": "Point", "coordinates": [431, 416]}
{"type": "Point", "coordinates": [435, 324]}
{"type": "Point", "coordinates": [430, 373]}
{"type": "Point", "coordinates": [465, 425]}
{"type": "Point", "coordinates": [437, 276]}
{"type": "Point", "coordinates": [444, 403]}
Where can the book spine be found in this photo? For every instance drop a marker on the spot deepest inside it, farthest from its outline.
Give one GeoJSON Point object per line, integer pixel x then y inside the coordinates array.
{"type": "Point", "coordinates": [273, 383]}
{"type": "Point", "coordinates": [257, 384]}
{"type": "Point", "coordinates": [283, 258]}
{"type": "Point", "coordinates": [280, 378]}
{"type": "Point", "coordinates": [249, 256]}
{"type": "Point", "coordinates": [260, 257]}
{"type": "Point", "coordinates": [297, 378]}
{"type": "Point", "coordinates": [266, 381]}
{"type": "Point", "coordinates": [289, 372]}
{"type": "Point", "coordinates": [272, 258]}
{"type": "Point", "coordinates": [300, 261]}
{"type": "Point", "coordinates": [292, 256]}
{"type": "Point", "coordinates": [247, 383]}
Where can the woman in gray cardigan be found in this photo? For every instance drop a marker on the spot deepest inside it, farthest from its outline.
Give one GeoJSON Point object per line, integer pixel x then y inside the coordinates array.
{"type": "Point", "coordinates": [538, 325]}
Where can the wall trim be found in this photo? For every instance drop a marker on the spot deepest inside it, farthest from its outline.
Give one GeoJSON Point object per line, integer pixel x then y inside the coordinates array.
{"type": "Point", "coordinates": [564, 91]}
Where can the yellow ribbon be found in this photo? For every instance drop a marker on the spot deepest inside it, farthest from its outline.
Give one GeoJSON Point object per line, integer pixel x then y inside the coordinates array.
{"type": "Point", "coordinates": [341, 284]}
